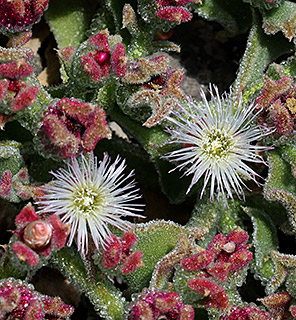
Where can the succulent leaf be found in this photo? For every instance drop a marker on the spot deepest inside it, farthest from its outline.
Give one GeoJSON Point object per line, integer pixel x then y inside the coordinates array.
{"type": "Point", "coordinates": [281, 19]}
{"type": "Point", "coordinates": [264, 240]}
{"type": "Point", "coordinates": [69, 20]}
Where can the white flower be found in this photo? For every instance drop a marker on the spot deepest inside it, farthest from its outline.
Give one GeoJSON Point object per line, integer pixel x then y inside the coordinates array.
{"type": "Point", "coordinates": [90, 198]}
{"type": "Point", "coordinates": [218, 139]}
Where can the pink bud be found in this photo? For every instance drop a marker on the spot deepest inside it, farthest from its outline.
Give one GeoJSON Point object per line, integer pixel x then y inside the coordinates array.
{"type": "Point", "coordinates": [101, 57]}
{"type": "Point", "coordinates": [37, 234]}
{"type": "Point", "coordinates": [229, 247]}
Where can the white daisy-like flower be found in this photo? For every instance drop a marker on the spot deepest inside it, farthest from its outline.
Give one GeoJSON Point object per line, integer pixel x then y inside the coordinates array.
{"type": "Point", "coordinates": [219, 139]}
{"type": "Point", "coordinates": [90, 197]}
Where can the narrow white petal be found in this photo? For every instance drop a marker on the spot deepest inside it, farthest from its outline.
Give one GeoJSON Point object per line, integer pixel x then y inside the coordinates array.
{"type": "Point", "coordinates": [91, 196]}
{"type": "Point", "coordinates": [219, 133]}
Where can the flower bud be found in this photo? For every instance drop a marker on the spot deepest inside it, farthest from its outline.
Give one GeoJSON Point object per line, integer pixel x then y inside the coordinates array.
{"type": "Point", "coordinates": [37, 234]}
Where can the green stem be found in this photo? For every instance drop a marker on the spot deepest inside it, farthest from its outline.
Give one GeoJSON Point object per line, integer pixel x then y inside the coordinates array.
{"type": "Point", "coordinates": [107, 300]}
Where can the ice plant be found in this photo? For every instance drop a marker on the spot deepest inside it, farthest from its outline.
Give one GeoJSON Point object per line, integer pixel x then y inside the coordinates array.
{"type": "Point", "coordinates": [223, 256]}
{"type": "Point", "coordinates": [101, 58]}
{"type": "Point", "coordinates": [218, 138]}
{"type": "Point", "coordinates": [114, 86]}
{"type": "Point", "coordinates": [16, 92]}
{"type": "Point", "coordinates": [173, 10]}
{"type": "Point", "coordinates": [251, 312]}
{"type": "Point", "coordinates": [154, 304]}
{"type": "Point", "coordinates": [36, 237]}
{"type": "Point", "coordinates": [91, 197]}
{"type": "Point", "coordinates": [70, 126]}
{"type": "Point", "coordinates": [18, 15]}
{"type": "Point", "coordinates": [278, 102]}
{"type": "Point", "coordinates": [118, 251]}
{"type": "Point", "coordinates": [19, 300]}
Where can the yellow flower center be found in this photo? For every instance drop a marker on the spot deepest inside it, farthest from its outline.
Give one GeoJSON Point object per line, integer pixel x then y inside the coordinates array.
{"type": "Point", "coordinates": [87, 200]}
{"type": "Point", "coordinates": [217, 144]}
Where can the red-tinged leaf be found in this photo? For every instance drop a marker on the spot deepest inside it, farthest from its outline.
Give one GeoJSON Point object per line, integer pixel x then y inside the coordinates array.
{"type": "Point", "coordinates": [281, 117]}
{"type": "Point", "coordinates": [24, 253]}
{"type": "Point", "coordinates": [128, 240]}
{"type": "Point", "coordinates": [239, 259]}
{"type": "Point", "coordinates": [97, 129]}
{"type": "Point", "coordinates": [4, 83]}
{"type": "Point", "coordinates": [272, 90]}
{"type": "Point", "coordinates": [16, 69]}
{"type": "Point", "coordinates": [100, 41]}
{"type": "Point", "coordinates": [25, 98]}
{"type": "Point", "coordinates": [60, 232]}
{"type": "Point", "coordinates": [219, 271]}
{"type": "Point", "coordinates": [112, 252]}
{"type": "Point", "coordinates": [238, 236]}
{"type": "Point", "coordinates": [132, 262]}
{"type": "Point", "coordinates": [167, 302]}
{"type": "Point", "coordinates": [91, 67]}
{"type": "Point", "coordinates": [277, 303]}
{"type": "Point", "coordinates": [79, 111]}
{"type": "Point", "coordinates": [26, 216]}
{"type": "Point", "coordinates": [198, 261]}
{"type": "Point", "coordinates": [216, 245]}
{"type": "Point", "coordinates": [34, 311]}
{"type": "Point", "coordinates": [5, 183]}
{"type": "Point", "coordinates": [215, 295]}
{"type": "Point", "coordinates": [119, 60]}
{"type": "Point", "coordinates": [54, 306]}
{"type": "Point", "coordinates": [174, 14]}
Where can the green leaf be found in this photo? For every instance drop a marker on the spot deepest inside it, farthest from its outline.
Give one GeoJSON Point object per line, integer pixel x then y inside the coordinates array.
{"type": "Point", "coordinates": [107, 300]}
{"type": "Point", "coordinates": [233, 15]}
{"type": "Point", "coordinates": [265, 3]}
{"type": "Point", "coordinates": [261, 50]}
{"type": "Point", "coordinates": [265, 240]}
{"type": "Point", "coordinates": [155, 240]}
{"type": "Point", "coordinates": [180, 280]}
{"type": "Point", "coordinates": [206, 216]}
{"type": "Point", "coordinates": [165, 266]}
{"type": "Point", "coordinates": [288, 153]}
{"type": "Point", "coordinates": [10, 157]}
{"type": "Point", "coordinates": [173, 183]}
{"type": "Point", "coordinates": [214, 216]}
{"type": "Point", "coordinates": [280, 19]}
{"type": "Point", "coordinates": [281, 185]}
{"type": "Point", "coordinates": [115, 8]}
{"type": "Point", "coordinates": [291, 283]}
{"type": "Point", "coordinates": [283, 265]}
{"type": "Point", "coordinates": [69, 20]}
{"type": "Point", "coordinates": [10, 266]}
{"type": "Point", "coordinates": [229, 217]}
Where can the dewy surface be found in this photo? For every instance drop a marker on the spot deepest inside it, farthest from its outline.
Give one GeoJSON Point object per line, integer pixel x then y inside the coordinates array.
{"type": "Point", "coordinates": [147, 159]}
